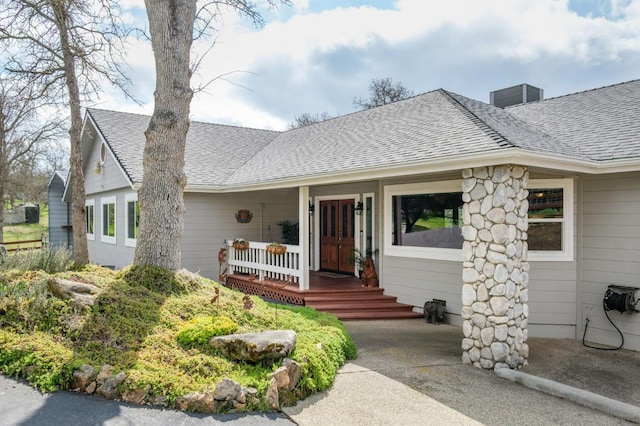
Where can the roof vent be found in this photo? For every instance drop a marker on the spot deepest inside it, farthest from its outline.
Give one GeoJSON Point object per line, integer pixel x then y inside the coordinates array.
{"type": "Point", "coordinates": [516, 95]}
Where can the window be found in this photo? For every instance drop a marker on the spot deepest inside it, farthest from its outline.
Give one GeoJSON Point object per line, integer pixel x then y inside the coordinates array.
{"type": "Point", "coordinates": [368, 230]}
{"type": "Point", "coordinates": [89, 216]}
{"type": "Point", "coordinates": [424, 220]}
{"type": "Point", "coordinates": [108, 220]}
{"type": "Point", "coordinates": [550, 234]}
{"type": "Point", "coordinates": [131, 219]}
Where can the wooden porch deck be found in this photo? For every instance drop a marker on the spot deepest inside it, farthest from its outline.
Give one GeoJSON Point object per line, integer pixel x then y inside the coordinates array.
{"type": "Point", "coordinates": [340, 295]}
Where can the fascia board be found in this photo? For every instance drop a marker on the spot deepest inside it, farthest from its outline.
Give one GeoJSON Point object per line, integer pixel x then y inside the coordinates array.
{"type": "Point", "coordinates": [505, 156]}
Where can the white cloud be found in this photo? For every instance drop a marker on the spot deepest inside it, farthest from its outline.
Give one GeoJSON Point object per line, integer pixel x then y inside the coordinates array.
{"type": "Point", "coordinates": [316, 62]}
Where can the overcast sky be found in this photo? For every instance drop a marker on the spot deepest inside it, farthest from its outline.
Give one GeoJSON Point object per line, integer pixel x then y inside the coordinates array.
{"type": "Point", "coordinates": [319, 54]}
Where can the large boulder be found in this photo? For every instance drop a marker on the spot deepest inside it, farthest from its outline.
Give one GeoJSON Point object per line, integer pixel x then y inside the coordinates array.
{"type": "Point", "coordinates": [255, 347]}
{"type": "Point", "coordinates": [81, 294]}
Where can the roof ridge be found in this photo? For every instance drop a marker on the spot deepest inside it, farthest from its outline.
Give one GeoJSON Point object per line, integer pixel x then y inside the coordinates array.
{"type": "Point", "coordinates": [500, 139]}
{"type": "Point", "coordinates": [573, 94]}
{"type": "Point", "coordinates": [192, 121]}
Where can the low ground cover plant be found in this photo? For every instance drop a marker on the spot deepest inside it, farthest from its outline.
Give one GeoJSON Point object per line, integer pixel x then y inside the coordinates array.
{"type": "Point", "coordinates": [154, 326]}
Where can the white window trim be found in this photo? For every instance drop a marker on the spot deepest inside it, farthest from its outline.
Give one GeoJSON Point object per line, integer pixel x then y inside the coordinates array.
{"type": "Point", "coordinates": [106, 238]}
{"type": "Point", "coordinates": [371, 195]}
{"type": "Point", "coordinates": [129, 242]}
{"type": "Point", "coordinates": [566, 254]}
{"type": "Point", "coordinates": [433, 253]}
{"type": "Point", "coordinates": [91, 203]}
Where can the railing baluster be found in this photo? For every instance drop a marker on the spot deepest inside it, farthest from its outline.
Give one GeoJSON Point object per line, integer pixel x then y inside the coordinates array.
{"type": "Point", "coordinates": [256, 260]}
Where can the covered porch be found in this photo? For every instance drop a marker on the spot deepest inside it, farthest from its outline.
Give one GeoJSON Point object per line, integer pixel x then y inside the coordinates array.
{"type": "Point", "coordinates": [256, 271]}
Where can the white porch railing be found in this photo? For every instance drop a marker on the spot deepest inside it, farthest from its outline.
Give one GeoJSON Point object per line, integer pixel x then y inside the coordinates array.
{"type": "Point", "coordinates": [264, 265]}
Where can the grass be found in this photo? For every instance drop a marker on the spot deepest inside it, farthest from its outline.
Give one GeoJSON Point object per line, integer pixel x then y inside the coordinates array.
{"type": "Point", "coordinates": [138, 325]}
{"type": "Point", "coordinates": [28, 231]}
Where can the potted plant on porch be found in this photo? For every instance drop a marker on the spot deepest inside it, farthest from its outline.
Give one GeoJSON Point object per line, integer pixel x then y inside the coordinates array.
{"type": "Point", "coordinates": [365, 264]}
{"type": "Point", "coordinates": [276, 248]}
{"type": "Point", "coordinates": [240, 244]}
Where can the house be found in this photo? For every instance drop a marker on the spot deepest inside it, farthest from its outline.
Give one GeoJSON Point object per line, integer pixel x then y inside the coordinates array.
{"type": "Point", "coordinates": [60, 234]}
{"type": "Point", "coordinates": [519, 216]}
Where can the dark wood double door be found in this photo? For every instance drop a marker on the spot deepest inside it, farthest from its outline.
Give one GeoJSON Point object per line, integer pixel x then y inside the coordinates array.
{"type": "Point", "coordinates": [337, 235]}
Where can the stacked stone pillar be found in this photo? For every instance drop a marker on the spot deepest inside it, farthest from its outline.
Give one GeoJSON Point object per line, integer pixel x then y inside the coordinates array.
{"type": "Point", "coordinates": [495, 269]}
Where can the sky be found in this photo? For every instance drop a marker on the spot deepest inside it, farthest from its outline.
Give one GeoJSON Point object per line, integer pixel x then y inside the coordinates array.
{"type": "Point", "coordinates": [318, 55]}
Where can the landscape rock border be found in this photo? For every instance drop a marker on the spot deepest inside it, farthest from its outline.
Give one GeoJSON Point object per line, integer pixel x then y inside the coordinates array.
{"type": "Point", "coordinates": [227, 395]}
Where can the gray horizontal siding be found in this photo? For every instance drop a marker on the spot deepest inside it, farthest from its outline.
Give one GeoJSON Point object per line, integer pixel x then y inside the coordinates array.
{"type": "Point", "coordinates": [610, 254]}
{"type": "Point", "coordinates": [210, 220]}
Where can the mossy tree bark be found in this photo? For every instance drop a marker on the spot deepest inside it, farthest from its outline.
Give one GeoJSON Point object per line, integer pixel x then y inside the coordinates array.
{"type": "Point", "coordinates": [160, 197]}
{"type": "Point", "coordinates": [78, 221]}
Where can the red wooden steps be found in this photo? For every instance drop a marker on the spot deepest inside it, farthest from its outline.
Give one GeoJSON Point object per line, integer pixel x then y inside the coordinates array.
{"type": "Point", "coordinates": [363, 304]}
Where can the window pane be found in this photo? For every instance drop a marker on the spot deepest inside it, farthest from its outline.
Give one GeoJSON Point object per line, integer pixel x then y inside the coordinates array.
{"type": "Point", "coordinates": [109, 220]}
{"type": "Point", "coordinates": [428, 220]}
{"type": "Point", "coordinates": [545, 203]}
{"type": "Point", "coordinates": [105, 219]}
{"type": "Point", "coordinates": [545, 236]}
{"type": "Point", "coordinates": [112, 220]}
{"type": "Point", "coordinates": [133, 219]}
{"type": "Point", "coordinates": [89, 218]}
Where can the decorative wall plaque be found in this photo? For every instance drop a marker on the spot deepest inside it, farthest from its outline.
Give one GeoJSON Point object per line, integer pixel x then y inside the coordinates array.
{"type": "Point", "coordinates": [244, 216]}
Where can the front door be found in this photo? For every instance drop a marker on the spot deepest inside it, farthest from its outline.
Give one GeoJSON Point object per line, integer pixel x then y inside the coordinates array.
{"type": "Point", "coordinates": [337, 232]}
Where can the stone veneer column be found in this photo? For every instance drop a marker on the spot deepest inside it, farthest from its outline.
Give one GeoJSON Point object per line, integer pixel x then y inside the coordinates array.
{"type": "Point", "coordinates": [495, 269]}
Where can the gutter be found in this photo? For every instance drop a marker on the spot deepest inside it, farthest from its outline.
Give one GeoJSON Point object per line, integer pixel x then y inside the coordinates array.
{"type": "Point", "coordinates": [554, 163]}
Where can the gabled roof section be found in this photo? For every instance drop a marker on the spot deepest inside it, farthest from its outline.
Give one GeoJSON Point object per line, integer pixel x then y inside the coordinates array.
{"type": "Point", "coordinates": [425, 127]}
{"type": "Point", "coordinates": [60, 174]}
{"type": "Point", "coordinates": [515, 132]}
{"type": "Point", "coordinates": [213, 151]}
{"type": "Point", "coordinates": [600, 124]}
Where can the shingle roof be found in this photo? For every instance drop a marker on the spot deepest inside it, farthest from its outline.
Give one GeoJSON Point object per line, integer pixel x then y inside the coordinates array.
{"type": "Point", "coordinates": [213, 151]}
{"type": "Point", "coordinates": [601, 124]}
{"type": "Point", "coordinates": [427, 126]}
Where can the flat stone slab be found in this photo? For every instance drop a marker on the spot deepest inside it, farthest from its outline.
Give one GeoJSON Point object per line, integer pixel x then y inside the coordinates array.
{"type": "Point", "coordinates": [255, 347]}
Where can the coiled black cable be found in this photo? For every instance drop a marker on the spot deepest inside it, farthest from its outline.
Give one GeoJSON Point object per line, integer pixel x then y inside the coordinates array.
{"type": "Point", "coordinates": [621, 302]}
{"type": "Point", "coordinates": [608, 295]}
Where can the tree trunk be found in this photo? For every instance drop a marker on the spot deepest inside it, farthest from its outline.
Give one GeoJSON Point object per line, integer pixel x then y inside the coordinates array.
{"type": "Point", "coordinates": [80, 248]}
{"type": "Point", "coordinates": [161, 194]}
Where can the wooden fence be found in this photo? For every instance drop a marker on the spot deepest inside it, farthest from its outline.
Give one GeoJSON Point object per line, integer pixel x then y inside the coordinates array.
{"type": "Point", "coordinates": [26, 244]}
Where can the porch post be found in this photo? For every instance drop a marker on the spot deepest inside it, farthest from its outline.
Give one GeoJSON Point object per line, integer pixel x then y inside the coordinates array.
{"type": "Point", "coordinates": [303, 236]}
{"type": "Point", "coordinates": [495, 270]}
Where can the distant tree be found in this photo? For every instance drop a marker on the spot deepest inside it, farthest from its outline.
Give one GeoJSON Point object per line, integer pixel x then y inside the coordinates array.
{"type": "Point", "coordinates": [382, 91]}
{"type": "Point", "coordinates": [25, 137]}
{"type": "Point", "coordinates": [307, 118]}
{"type": "Point", "coordinates": [69, 47]}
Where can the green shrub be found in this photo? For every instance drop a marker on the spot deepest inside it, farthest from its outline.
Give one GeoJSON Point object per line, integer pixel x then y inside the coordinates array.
{"type": "Point", "coordinates": [158, 337]}
{"type": "Point", "coordinates": [50, 261]}
{"type": "Point", "coordinates": [45, 363]}
{"type": "Point", "coordinates": [26, 305]}
{"type": "Point", "coordinates": [200, 329]}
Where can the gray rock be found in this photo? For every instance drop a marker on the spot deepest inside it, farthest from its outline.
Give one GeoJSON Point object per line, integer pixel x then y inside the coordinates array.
{"type": "Point", "coordinates": [255, 347]}
{"type": "Point", "coordinates": [272, 395]}
{"type": "Point", "coordinates": [294, 370]}
{"type": "Point", "coordinates": [200, 402]}
{"type": "Point", "coordinates": [82, 377]}
{"type": "Point", "coordinates": [282, 377]}
{"type": "Point", "coordinates": [81, 294]}
{"type": "Point", "coordinates": [109, 388]}
{"type": "Point", "coordinates": [227, 390]}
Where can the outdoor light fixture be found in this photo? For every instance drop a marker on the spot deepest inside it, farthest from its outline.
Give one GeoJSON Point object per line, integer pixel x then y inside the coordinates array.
{"type": "Point", "coordinates": [98, 169]}
{"type": "Point", "coordinates": [359, 208]}
{"type": "Point", "coordinates": [312, 208]}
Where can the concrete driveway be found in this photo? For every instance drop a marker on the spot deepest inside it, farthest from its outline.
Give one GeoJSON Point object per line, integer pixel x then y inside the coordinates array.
{"type": "Point", "coordinates": [438, 389]}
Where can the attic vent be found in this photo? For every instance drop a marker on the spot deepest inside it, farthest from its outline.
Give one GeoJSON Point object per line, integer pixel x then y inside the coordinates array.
{"type": "Point", "coordinates": [516, 95]}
